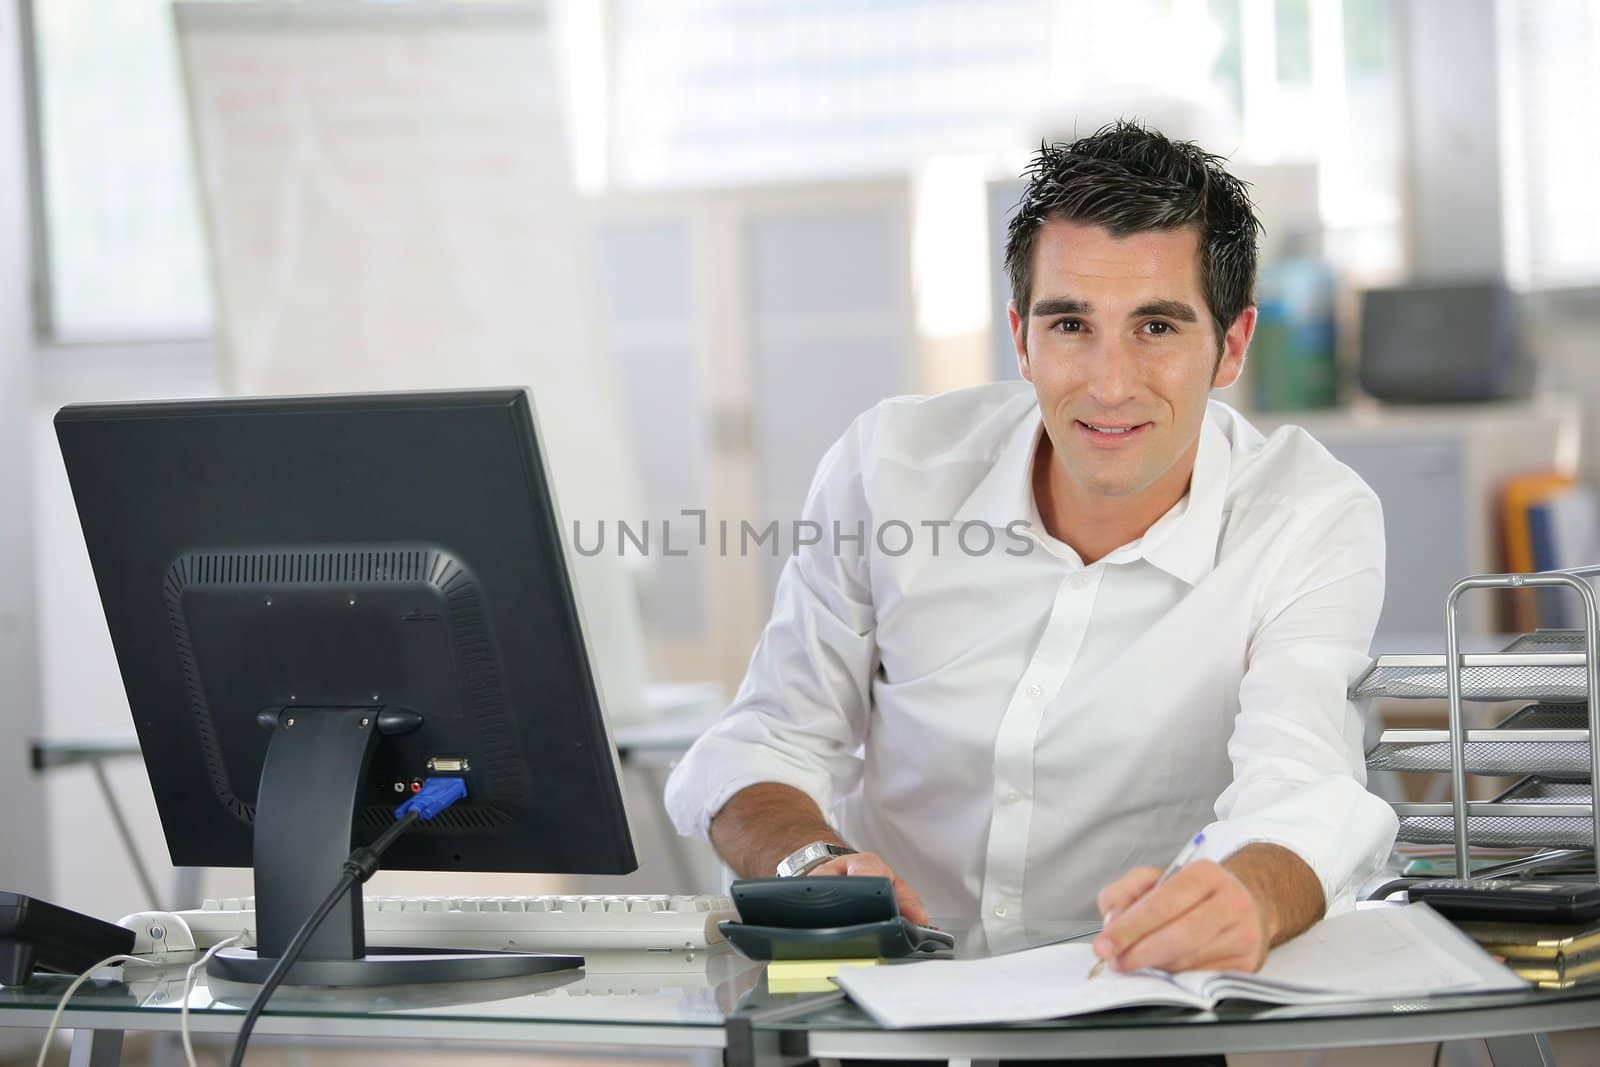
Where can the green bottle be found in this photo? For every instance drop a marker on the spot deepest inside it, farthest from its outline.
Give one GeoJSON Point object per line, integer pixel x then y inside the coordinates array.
{"type": "Point", "coordinates": [1293, 357]}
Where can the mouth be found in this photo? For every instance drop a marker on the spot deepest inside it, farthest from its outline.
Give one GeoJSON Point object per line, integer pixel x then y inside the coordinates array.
{"type": "Point", "coordinates": [1111, 434]}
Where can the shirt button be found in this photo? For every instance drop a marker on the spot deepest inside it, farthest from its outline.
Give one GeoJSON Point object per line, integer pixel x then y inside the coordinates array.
{"type": "Point", "coordinates": [999, 911]}
{"type": "Point", "coordinates": [1013, 796]}
{"type": "Point", "coordinates": [1078, 581]}
{"type": "Point", "coordinates": [1034, 691]}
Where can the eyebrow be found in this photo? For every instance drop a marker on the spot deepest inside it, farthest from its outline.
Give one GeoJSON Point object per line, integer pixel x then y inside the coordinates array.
{"type": "Point", "coordinates": [1167, 309]}
{"type": "Point", "coordinates": [1170, 309]}
{"type": "Point", "coordinates": [1062, 307]}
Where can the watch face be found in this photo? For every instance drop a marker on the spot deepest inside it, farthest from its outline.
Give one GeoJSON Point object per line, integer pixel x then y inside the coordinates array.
{"type": "Point", "coordinates": [815, 854]}
{"type": "Point", "coordinates": [795, 862]}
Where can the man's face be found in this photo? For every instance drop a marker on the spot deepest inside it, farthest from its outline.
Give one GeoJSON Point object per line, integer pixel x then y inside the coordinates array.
{"type": "Point", "coordinates": [1122, 352]}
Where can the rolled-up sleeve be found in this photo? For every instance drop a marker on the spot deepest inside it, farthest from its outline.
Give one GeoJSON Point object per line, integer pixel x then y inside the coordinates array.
{"type": "Point", "coordinates": [1296, 747]}
{"type": "Point", "coordinates": [800, 716]}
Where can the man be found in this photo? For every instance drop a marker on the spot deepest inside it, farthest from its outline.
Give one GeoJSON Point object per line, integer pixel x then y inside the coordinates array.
{"type": "Point", "coordinates": [1158, 642]}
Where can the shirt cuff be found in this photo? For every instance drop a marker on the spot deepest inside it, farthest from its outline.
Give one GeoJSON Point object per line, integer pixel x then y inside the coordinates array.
{"type": "Point", "coordinates": [1337, 828]}
{"type": "Point", "coordinates": [716, 768]}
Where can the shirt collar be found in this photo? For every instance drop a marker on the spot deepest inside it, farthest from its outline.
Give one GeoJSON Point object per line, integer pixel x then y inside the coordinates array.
{"type": "Point", "coordinates": [1183, 542]}
{"type": "Point", "coordinates": [1005, 495]}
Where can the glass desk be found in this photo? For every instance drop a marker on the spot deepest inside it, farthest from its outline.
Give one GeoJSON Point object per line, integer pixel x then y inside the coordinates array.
{"type": "Point", "coordinates": [718, 1003]}
{"type": "Point", "coordinates": [1514, 1025]}
{"type": "Point", "coordinates": [774, 1028]}
{"type": "Point", "coordinates": [622, 1000]}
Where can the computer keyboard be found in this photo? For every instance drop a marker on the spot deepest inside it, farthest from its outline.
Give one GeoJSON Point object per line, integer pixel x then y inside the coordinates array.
{"type": "Point", "coordinates": [651, 922]}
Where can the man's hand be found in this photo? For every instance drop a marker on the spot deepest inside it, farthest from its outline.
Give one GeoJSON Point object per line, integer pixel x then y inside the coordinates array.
{"type": "Point", "coordinates": [763, 823]}
{"type": "Point", "coordinates": [1202, 918]}
{"type": "Point", "coordinates": [870, 865]}
{"type": "Point", "coordinates": [1208, 916]}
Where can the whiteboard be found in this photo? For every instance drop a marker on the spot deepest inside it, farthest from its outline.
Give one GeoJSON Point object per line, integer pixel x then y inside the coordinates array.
{"type": "Point", "coordinates": [389, 205]}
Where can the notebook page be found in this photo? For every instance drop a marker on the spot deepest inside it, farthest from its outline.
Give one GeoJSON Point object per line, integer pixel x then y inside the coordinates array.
{"type": "Point", "coordinates": [1375, 953]}
{"type": "Point", "coordinates": [1040, 983]}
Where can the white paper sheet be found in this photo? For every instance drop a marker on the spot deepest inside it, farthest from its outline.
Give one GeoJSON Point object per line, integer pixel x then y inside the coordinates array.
{"type": "Point", "coordinates": [1379, 953]}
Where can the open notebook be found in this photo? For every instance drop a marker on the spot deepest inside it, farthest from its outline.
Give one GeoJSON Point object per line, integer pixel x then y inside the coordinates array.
{"type": "Point", "coordinates": [1372, 954]}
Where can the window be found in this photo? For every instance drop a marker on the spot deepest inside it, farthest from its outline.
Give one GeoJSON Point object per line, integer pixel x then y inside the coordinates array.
{"type": "Point", "coordinates": [124, 254]}
{"type": "Point", "coordinates": [122, 249]}
{"type": "Point", "coordinates": [745, 91]}
{"type": "Point", "coordinates": [1550, 107]}
{"type": "Point", "coordinates": [717, 92]}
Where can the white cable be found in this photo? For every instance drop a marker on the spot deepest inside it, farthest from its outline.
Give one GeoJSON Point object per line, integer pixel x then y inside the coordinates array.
{"type": "Point", "coordinates": [61, 1005]}
{"type": "Point", "coordinates": [188, 989]}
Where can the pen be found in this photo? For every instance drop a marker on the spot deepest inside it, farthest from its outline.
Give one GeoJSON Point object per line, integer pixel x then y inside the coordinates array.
{"type": "Point", "coordinates": [1184, 855]}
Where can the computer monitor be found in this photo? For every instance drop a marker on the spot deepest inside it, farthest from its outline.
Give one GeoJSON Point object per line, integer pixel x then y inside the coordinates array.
{"type": "Point", "coordinates": [316, 602]}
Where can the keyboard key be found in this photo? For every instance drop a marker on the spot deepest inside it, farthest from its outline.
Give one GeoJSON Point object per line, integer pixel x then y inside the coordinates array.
{"type": "Point", "coordinates": [564, 923]}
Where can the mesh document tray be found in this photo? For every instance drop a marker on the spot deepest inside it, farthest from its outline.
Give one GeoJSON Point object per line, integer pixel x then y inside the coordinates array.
{"type": "Point", "coordinates": [1548, 641]}
{"type": "Point", "coordinates": [1540, 789]}
{"type": "Point", "coordinates": [1505, 675]}
{"type": "Point", "coordinates": [1547, 717]}
{"type": "Point", "coordinates": [1429, 750]}
{"type": "Point", "coordinates": [1511, 831]}
{"type": "Point", "coordinates": [1424, 677]}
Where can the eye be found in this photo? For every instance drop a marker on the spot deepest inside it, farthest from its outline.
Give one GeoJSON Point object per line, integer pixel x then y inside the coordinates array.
{"type": "Point", "coordinates": [1158, 328]}
{"type": "Point", "coordinates": [1068, 325]}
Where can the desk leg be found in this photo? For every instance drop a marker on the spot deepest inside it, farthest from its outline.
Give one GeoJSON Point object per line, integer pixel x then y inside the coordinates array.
{"type": "Point", "coordinates": [686, 877]}
{"type": "Point", "coordinates": [96, 1048]}
{"type": "Point", "coordinates": [1521, 1050]}
{"type": "Point", "coordinates": [127, 837]}
{"type": "Point", "coordinates": [751, 1045]}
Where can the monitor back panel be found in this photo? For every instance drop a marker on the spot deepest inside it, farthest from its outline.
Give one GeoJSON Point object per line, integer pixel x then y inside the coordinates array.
{"type": "Point", "coordinates": [392, 551]}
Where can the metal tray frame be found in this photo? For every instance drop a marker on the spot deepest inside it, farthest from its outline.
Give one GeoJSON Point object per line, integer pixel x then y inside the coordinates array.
{"type": "Point", "coordinates": [1456, 663]}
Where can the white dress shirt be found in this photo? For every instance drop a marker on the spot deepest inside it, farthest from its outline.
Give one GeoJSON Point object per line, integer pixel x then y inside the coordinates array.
{"type": "Point", "coordinates": [1012, 730]}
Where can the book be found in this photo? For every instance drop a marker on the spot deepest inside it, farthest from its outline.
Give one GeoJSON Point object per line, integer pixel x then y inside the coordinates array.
{"type": "Point", "coordinates": [1572, 525]}
{"type": "Point", "coordinates": [1534, 941]}
{"type": "Point", "coordinates": [1561, 973]}
{"type": "Point", "coordinates": [1380, 953]}
{"type": "Point", "coordinates": [1518, 495]}
{"type": "Point", "coordinates": [1550, 602]}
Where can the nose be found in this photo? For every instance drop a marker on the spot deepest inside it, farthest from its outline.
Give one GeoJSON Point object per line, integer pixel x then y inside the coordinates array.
{"type": "Point", "coordinates": [1112, 374]}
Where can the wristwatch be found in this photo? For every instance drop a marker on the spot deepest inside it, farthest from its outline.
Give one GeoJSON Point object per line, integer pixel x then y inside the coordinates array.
{"type": "Point", "coordinates": [817, 853]}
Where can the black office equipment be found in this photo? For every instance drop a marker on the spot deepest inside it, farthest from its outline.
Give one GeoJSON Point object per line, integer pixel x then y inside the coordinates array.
{"type": "Point", "coordinates": [825, 917]}
{"type": "Point", "coordinates": [317, 602]}
{"type": "Point", "coordinates": [1510, 899]}
{"type": "Point", "coordinates": [38, 935]}
{"type": "Point", "coordinates": [1442, 343]}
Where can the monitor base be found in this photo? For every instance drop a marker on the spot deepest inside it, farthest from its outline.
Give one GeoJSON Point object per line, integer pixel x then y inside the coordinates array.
{"type": "Point", "coordinates": [389, 967]}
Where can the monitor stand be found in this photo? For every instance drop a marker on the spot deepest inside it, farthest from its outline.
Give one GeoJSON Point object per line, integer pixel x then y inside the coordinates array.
{"type": "Point", "coordinates": [311, 784]}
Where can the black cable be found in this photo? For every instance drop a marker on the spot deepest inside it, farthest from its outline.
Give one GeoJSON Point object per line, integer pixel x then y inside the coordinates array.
{"type": "Point", "coordinates": [361, 865]}
{"type": "Point", "coordinates": [1391, 886]}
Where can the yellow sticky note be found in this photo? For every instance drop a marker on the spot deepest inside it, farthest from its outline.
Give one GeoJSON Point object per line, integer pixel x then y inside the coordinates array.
{"type": "Point", "coordinates": [808, 976]}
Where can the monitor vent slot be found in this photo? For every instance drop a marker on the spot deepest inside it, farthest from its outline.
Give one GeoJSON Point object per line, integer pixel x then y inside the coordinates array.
{"type": "Point", "coordinates": [319, 567]}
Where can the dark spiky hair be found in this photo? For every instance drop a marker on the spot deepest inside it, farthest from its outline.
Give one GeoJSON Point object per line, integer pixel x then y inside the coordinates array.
{"type": "Point", "coordinates": [1130, 179]}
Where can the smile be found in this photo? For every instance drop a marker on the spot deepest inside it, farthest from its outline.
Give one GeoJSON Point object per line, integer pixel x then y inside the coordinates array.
{"type": "Point", "coordinates": [1110, 435]}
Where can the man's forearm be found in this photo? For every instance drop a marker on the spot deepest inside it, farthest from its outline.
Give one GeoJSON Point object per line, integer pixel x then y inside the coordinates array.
{"type": "Point", "coordinates": [1287, 891]}
{"type": "Point", "coordinates": [761, 824]}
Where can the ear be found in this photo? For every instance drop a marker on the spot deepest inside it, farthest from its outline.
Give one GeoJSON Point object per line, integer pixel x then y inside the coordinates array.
{"type": "Point", "coordinates": [1234, 344]}
{"type": "Point", "coordinates": [1018, 340]}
